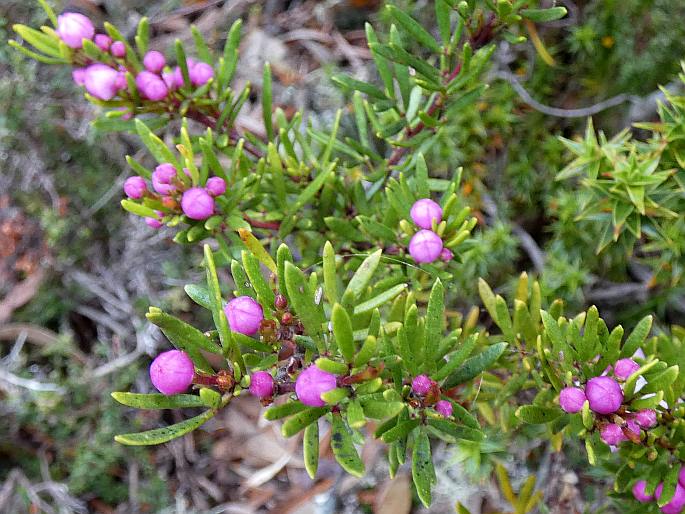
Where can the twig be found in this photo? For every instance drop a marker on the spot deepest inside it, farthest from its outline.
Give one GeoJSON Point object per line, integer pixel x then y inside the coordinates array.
{"type": "Point", "coordinates": [31, 385]}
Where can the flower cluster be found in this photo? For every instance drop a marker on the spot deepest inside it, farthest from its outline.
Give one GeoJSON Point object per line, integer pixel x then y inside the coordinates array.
{"type": "Point", "coordinates": [105, 79]}
{"type": "Point", "coordinates": [677, 502]}
{"type": "Point", "coordinates": [605, 398]}
{"type": "Point", "coordinates": [173, 193]}
{"type": "Point", "coordinates": [427, 392]}
{"type": "Point", "coordinates": [426, 245]}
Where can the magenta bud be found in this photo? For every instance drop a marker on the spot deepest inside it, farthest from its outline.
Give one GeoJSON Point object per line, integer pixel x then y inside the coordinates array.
{"type": "Point", "coordinates": [421, 384]}
{"type": "Point", "coordinates": [633, 427]}
{"type": "Point", "coordinates": [425, 246]}
{"type": "Point", "coordinates": [200, 73]}
{"type": "Point", "coordinates": [154, 61]}
{"type": "Point", "coordinates": [103, 41]}
{"type": "Point", "coordinates": [135, 187]}
{"type": "Point", "coordinates": [215, 186]}
{"type": "Point", "coordinates": [197, 204]}
{"type": "Point", "coordinates": [79, 76]}
{"type": "Point", "coordinates": [162, 178]}
{"type": "Point", "coordinates": [624, 368]}
{"type": "Point", "coordinates": [73, 28]}
{"type": "Point", "coordinates": [613, 435]}
{"type": "Point", "coordinates": [172, 372]}
{"type": "Point", "coordinates": [244, 315]}
{"type": "Point", "coordinates": [312, 383]}
{"type": "Point", "coordinates": [178, 74]}
{"type": "Point", "coordinates": [604, 394]}
{"type": "Point", "coordinates": [151, 86]}
{"type": "Point", "coordinates": [446, 255]}
{"type": "Point", "coordinates": [424, 211]}
{"type": "Point", "coordinates": [118, 49]}
{"type": "Point", "coordinates": [153, 223]}
{"type": "Point", "coordinates": [444, 408]}
{"type": "Point", "coordinates": [646, 418]}
{"type": "Point", "coordinates": [675, 506]}
{"type": "Point", "coordinates": [640, 494]}
{"type": "Point", "coordinates": [101, 81]}
{"type": "Point", "coordinates": [572, 399]}
{"type": "Point", "coordinates": [169, 78]}
{"type": "Point", "coordinates": [261, 384]}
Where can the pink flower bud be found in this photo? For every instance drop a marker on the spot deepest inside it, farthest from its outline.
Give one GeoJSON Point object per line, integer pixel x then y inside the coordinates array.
{"type": "Point", "coordinates": [604, 394]}
{"type": "Point", "coordinates": [312, 383]}
{"type": "Point", "coordinates": [421, 384]}
{"type": "Point", "coordinates": [646, 418]}
{"type": "Point", "coordinates": [172, 372]}
{"type": "Point", "coordinates": [261, 384]}
{"type": "Point", "coordinates": [444, 408]}
{"type": "Point", "coordinates": [640, 494]}
{"type": "Point", "coordinates": [197, 204]}
{"type": "Point", "coordinates": [154, 61]}
{"type": "Point", "coordinates": [613, 435]}
{"type": "Point", "coordinates": [151, 86]}
{"type": "Point", "coordinates": [101, 81]}
{"type": "Point", "coordinates": [215, 186]}
{"type": "Point", "coordinates": [244, 315]}
{"type": "Point", "coordinates": [424, 211]}
{"type": "Point", "coordinates": [675, 506]}
{"type": "Point", "coordinates": [446, 255]}
{"type": "Point", "coordinates": [624, 368]}
{"type": "Point", "coordinates": [633, 427]}
{"type": "Point", "coordinates": [153, 223]}
{"type": "Point", "coordinates": [200, 73]}
{"type": "Point", "coordinates": [162, 178]}
{"type": "Point", "coordinates": [118, 49]}
{"type": "Point", "coordinates": [103, 42]}
{"type": "Point", "coordinates": [178, 74]}
{"type": "Point", "coordinates": [79, 76]}
{"type": "Point", "coordinates": [169, 78]}
{"type": "Point", "coordinates": [73, 28]}
{"type": "Point", "coordinates": [425, 246]}
{"type": "Point", "coordinates": [572, 399]}
{"type": "Point", "coordinates": [135, 187]}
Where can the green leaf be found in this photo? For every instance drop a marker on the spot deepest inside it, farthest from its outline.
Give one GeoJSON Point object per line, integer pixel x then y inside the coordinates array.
{"type": "Point", "coordinates": [142, 35]}
{"type": "Point", "coordinates": [165, 434]}
{"type": "Point", "coordinates": [330, 280]}
{"type": "Point", "coordinates": [421, 35]}
{"type": "Point", "coordinates": [306, 195]}
{"type": "Point", "coordinates": [457, 358]}
{"type": "Point", "coordinates": [351, 84]}
{"type": "Point", "coordinates": [257, 249]}
{"type": "Point", "coordinates": [343, 447]}
{"type": "Point", "coordinates": [155, 145]}
{"type": "Point", "coordinates": [637, 337]}
{"type": "Point", "coordinates": [210, 398]}
{"type": "Point", "coordinates": [139, 209]}
{"type": "Point", "coordinates": [434, 324]}
{"type": "Point", "coordinates": [302, 299]}
{"type": "Point", "coordinates": [475, 365]}
{"type": "Point", "coordinates": [331, 366]}
{"type": "Point", "coordinates": [284, 410]}
{"type": "Point", "coordinates": [381, 409]}
{"type": "Point", "coordinates": [267, 107]}
{"type": "Point", "coordinates": [302, 419]}
{"type": "Point", "coordinates": [342, 329]}
{"type": "Point", "coordinates": [265, 295]}
{"type": "Point", "coordinates": [670, 482]}
{"type": "Point", "coordinates": [361, 278]}
{"type": "Point", "coordinates": [544, 15]}
{"type": "Point", "coordinates": [661, 381]}
{"type": "Point", "coordinates": [199, 294]}
{"type": "Point", "coordinates": [157, 401]}
{"type": "Point", "coordinates": [366, 352]}
{"type": "Point", "coordinates": [454, 432]}
{"type": "Point", "coordinates": [310, 447]}
{"type": "Point", "coordinates": [422, 470]}
{"type": "Point", "coordinates": [48, 10]}
{"type": "Point", "coordinates": [355, 414]}
{"type": "Point", "coordinates": [380, 300]}
{"type": "Point", "coordinates": [537, 415]}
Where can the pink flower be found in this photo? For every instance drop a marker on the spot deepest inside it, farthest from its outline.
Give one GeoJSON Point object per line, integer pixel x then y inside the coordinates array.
{"type": "Point", "coordinates": [118, 49]}
{"type": "Point", "coordinates": [640, 494]}
{"type": "Point", "coordinates": [101, 81]}
{"type": "Point", "coordinates": [154, 61]}
{"type": "Point", "coordinates": [261, 384]}
{"type": "Point", "coordinates": [624, 368]}
{"type": "Point", "coordinates": [425, 246]}
{"type": "Point", "coordinates": [215, 186]}
{"type": "Point", "coordinates": [424, 212]}
{"type": "Point", "coordinates": [151, 86]}
{"type": "Point", "coordinates": [153, 223]}
{"type": "Point", "coordinates": [79, 76]}
{"type": "Point", "coordinates": [675, 506]}
{"type": "Point", "coordinates": [73, 28]}
{"type": "Point", "coordinates": [200, 73]}
{"type": "Point", "coordinates": [613, 435]}
{"type": "Point", "coordinates": [444, 408]}
{"type": "Point", "coordinates": [421, 385]}
{"type": "Point", "coordinates": [169, 78]}
{"type": "Point", "coordinates": [172, 372]}
{"type": "Point", "coordinates": [244, 315]}
{"type": "Point", "coordinates": [312, 383]}
{"type": "Point", "coordinates": [446, 255]}
{"type": "Point", "coordinates": [135, 187]}
{"type": "Point", "coordinates": [646, 418]}
{"type": "Point", "coordinates": [197, 204]}
{"type": "Point", "coordinates": [162, 178]}
{"type": "Point", "coordinates": [572, 399]}
{"type": "Point", "coordinates": [604, 394]}
{"type": "Point", "coordinates": [103, 42]}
